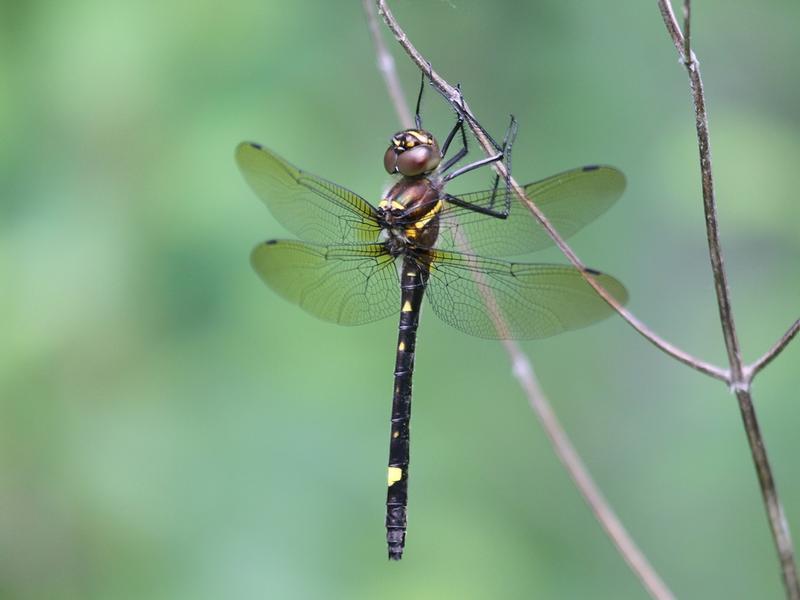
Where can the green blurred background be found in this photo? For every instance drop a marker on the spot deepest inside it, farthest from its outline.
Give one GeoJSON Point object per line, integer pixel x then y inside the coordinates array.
{"type": "Point", "coordinates": [171, 429]}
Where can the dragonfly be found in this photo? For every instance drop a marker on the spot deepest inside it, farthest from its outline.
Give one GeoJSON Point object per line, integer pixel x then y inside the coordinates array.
{"type": "Point", "coordinates": [355, 263]}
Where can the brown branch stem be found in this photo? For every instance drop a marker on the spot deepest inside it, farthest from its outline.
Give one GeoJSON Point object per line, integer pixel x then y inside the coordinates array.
{"type": "Point", "coordinates": [740, 378]}
{"type": "Point", "coordinates": [563, 447]}
{"type": "Point", "coordinates": [572, 462]}
{"type": "Point", "coordinates": [687, 27]}
{"type": "Point", "coordinates": [709, 202]}
{"type": "Point", "coordinates": [770, 355]}
{"type": "Point", "coordinates": [769, 493]}
{"type": "Point", "coordinates": [386, 66]}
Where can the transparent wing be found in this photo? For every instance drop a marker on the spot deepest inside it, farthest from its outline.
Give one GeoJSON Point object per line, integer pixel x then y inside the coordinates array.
{"type": "Point", "coordinates": [532, 300]}
{"type": "Point", "coordinates": [309, 206]}
{"type": "Point", "coordinates": [347, 284]}
{"type": "Point", "coordinates": [570, 200]}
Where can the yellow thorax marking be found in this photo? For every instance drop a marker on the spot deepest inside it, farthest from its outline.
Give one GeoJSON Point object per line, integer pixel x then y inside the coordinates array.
{"type": "Point", "coordinates": [429, 215]}
{"type": "Point", "coordinates": [384, 204]}
{"type": "Point", "coordinates": [395, 474]}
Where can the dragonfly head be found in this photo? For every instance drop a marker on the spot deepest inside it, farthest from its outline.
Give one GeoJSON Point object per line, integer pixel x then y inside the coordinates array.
{"type": "Point", "coordinates": [412, 152]}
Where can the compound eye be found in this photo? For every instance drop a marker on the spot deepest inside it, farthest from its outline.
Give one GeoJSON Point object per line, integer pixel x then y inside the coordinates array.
{"type": "Point", "coordinates": [417, 160]}
{"type": "Point", "coordinates": [390, 160]}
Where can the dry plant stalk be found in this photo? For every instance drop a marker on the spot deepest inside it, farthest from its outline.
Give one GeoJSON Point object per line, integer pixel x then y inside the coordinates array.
{"type": "Point", "coordinates": [741, 376]}
{"type": "Point", "coordinates": [737, 376]}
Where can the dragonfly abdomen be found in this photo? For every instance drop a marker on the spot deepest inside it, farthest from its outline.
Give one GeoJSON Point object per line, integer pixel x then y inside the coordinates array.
{"type": "Point", "coordinates": [413, 280]}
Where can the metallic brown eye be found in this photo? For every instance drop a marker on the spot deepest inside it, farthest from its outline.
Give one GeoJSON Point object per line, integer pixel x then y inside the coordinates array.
{"type": "Point", "coordinates": [417, 160]}
{"type": "Point", "coordinates": [390, 160]}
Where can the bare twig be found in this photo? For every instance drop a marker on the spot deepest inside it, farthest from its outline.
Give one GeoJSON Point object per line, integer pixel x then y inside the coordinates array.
{"type": "Point", "coordinates": [739, 379]}
{"type": "Point", "coordinates": [777, 518]}
{"type": "Point", "coordinates": [687, 28]}
{"type": "Point", "coordinates": [455, 98]}
{"type": "Point", "coordinates": [709, 202]}
{"type": "Point", "coordinates": [572, 462]}
{"type": "Point", "coordinates": [752, 370]}
{"type": "Point", "coordinates": [386, 67]}
{"type": "Point", "coordinates": [562, 445]}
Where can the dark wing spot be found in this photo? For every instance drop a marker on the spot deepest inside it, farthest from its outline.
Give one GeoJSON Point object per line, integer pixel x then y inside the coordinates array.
{"type": "Point", "coordinates": [270, 242]}
{"type": "Point", "coordinates": [587, 270]}
{"type": "Point", "coordinates": [256, 146]}
{"type": "Point", "coordinates": [588, 168]}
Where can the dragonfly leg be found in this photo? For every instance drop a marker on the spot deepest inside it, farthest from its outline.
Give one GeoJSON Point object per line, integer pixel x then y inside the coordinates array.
{"type": "Point", "coordinates": [459, 125]}
{"type": "Point", "coordinates": [505, 155]}
{"type": "Point", "coordinates": [472, 166]}
{"type": "Point", "coordinates": [417, 116]}
{"type": "Point", "coordinates": [508, 142]}
{"type": "Point", "coordinates": [498, 214]}
{"type": "Point", "coordinates": [464, 149]}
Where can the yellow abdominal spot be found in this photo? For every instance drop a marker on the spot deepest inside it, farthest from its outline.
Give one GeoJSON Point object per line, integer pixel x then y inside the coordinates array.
{"type": "Point", "coordinates": [402, 347]}
{"type": "Point", "coordinates": [406, 307]}
{"type": "Point", "coordinates": [395, 474]}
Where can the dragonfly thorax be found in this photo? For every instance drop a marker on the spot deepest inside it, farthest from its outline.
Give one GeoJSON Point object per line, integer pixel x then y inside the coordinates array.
{"type": "Point", "coordinates": [411, 153]}
{"type": "Point", "coordinates": [409, 214]}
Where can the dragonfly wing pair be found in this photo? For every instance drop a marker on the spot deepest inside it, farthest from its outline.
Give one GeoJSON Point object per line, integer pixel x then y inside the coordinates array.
{"type": "Point", "coordinates": [344, 275]}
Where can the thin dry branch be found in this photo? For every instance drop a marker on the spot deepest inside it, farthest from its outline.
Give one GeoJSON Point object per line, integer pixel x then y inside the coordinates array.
{"type": "Point", "coordinates": [386, 66]}
{"type": "Point", "coordinates": [453, 96]}
{"type": "Point", "coordinates": [709, 202]}
{"type": "Point", "coordinates": [740, 379]}
{"type": "Point", "coordinates": [687, 27]}
{"type": "Point", "coordinates": [769, 493]}
{"type": "Point", "coordinates": [571, 460]}
{"type": "Point", "coordinates": [752, 370]}
{"type": "Point", "coordinates": [563, 447]}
